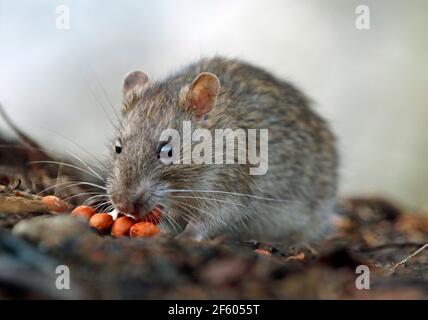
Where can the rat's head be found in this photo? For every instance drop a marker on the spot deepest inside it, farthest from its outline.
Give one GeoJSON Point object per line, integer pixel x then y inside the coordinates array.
{"type": "Point", "coordinates": [139, 181]}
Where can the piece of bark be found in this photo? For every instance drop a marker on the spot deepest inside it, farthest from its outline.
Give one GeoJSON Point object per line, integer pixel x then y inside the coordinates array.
{"type": "Point", "coordinates": [14, 205]}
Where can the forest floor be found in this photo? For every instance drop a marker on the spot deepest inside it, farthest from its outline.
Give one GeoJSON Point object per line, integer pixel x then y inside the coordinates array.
{"type": "Point", "coordinates": [369, 231]}
{"type": "Point", "coordinates": [378, 250]}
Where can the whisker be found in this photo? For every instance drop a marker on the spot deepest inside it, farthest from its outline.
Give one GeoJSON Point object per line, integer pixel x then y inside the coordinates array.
{"type": "Point", "coordinates": [86, 165]}
{"type": "Point", "coordinates": [81, 194]}
{"type": "Point", "coordinates": [97, 203]}
{"type": "Point", "coordinates": [104, 109]}
{"type": "Point", "coordinates": [54, 186]}
{"type": "Point", "coordinates": [107, 96]}
{"type": "Point", "coordinates": [228, 193]}
{"type": "Point", "coordinates": [90, 200]}
{"type": "Point", "coordinates": [67, 165]}
{"type": "Point", "coordinates": [93, 199]}
{"type": "Point", "coordinates": [213, 199]}
{"type": "Point", "coordinates": [208, 215]}
{"type": "Point", "coordinates": [108, 209]}
{"type": "Point", "coordinates": [73, 184]}
{"type": "Point", "coordinates": [78, 146]}
{"type": "Point", "coordinates": [192, 220]}
{"type": "Point", "coordinates": [171, 220]}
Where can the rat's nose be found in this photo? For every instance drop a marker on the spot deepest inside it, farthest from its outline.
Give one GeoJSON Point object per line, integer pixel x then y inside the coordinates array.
{"type": "Point", "coordinates": [128, 203]}
{"type": "Point", "coordinates": [130, 207]}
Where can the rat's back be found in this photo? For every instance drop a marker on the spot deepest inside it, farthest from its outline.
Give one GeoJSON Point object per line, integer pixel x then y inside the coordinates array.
{"type": "Point", "coordinates": [287, 196]}
{"type": "Point", "coordinates": [295, 197]}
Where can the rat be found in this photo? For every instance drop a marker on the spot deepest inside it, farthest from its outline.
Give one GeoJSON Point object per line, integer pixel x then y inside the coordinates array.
{"type": "Point", "coordinates": [293, 201]}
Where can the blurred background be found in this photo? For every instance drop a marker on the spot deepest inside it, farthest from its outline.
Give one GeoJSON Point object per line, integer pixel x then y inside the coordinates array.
{"type": "Point", "coordinates": [371, 84]}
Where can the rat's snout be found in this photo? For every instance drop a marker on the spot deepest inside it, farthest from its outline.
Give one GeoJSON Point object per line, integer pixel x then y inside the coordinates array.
{"type": "Point", "coordinates": [127, 207]}
{"type": "Point", "coordinates": [124, 203]}
{"type": "Point", "coordinates": [132, 200]}
{"type": "Point", "coordinates": [128, 204]}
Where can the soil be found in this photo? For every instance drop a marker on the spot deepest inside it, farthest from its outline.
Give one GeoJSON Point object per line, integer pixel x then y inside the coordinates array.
{"type": "Point", "coordinates": [38, 248]}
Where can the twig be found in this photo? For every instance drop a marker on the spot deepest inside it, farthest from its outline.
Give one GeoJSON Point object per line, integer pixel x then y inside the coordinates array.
{"type": "Point", "coordinates": [14, 205]}
{"type": "Point", "coordinates": [24, 138]}
{"type": "Point", "coordinates": [395, 266]}
{"type": "Point", "coordinates": [389, 246]}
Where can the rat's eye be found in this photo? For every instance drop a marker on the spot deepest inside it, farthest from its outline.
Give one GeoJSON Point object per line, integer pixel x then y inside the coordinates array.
{"type": "Point", "coordinates": [165, 150]}
{"type": "Point", "coordinates": [118, 146]}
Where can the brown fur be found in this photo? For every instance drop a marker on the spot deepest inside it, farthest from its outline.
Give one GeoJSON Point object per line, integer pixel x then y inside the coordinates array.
{"type": "Point", "coordinates": [302, 157]}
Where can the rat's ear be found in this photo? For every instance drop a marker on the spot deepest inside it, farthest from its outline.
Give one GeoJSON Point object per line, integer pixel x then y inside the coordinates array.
{"type": "Point", "coordinates": [202, 93]}
{"type": "Point", "coordinates": [135, 81]}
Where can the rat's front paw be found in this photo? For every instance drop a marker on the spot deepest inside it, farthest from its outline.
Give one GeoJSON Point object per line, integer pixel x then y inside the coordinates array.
{"type": "Point", "coordinates": [191, 232]}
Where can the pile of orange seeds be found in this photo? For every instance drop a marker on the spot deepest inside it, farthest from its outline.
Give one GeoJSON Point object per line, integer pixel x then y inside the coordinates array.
{"type": "Point", "coordinates": [103, 222]}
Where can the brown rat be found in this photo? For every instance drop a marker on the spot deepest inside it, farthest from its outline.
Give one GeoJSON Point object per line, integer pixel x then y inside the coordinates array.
{"type": "Point", "coordinates": [292, 202]}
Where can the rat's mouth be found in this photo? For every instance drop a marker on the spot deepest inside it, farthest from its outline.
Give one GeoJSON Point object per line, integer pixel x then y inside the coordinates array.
{"type": "Point", "coordinates": [154, 215]}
